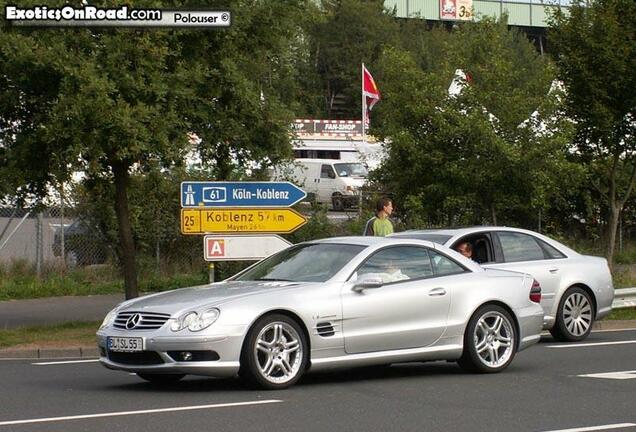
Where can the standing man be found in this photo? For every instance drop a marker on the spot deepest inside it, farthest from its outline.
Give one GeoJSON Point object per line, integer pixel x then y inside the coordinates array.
{"type": "Point", "coordinates": [380, 225]}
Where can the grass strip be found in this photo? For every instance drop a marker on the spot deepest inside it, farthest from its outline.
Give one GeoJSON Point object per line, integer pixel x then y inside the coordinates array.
{"type": "Point", "coordinates": [89, 281]}
{"type": "Point", "coordinates": [622, 314]}
{"type": "Point", "coordinates": [67, 334]}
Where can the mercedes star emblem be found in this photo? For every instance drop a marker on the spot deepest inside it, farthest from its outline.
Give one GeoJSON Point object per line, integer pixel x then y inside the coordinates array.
{"type": "Point", "coordinates": [133, 321]}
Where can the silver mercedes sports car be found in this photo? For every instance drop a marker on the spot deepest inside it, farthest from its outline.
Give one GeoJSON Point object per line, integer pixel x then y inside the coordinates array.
{"type": "Point", "coordinates": [340, 302]}
{"type": "Point", "coordinates": [576, 289]}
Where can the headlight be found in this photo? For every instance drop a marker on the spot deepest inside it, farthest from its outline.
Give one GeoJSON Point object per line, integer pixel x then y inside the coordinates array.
{"type": "Point", "coordinates": [195, 322]}
{"type": "Point", "coordinates": [110, 317]}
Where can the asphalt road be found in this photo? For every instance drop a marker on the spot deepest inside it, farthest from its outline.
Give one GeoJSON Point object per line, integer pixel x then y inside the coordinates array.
{"type": "Point", "coordinates": [56, 310]}
{"type": "Point", "coordinates": [543, 390]}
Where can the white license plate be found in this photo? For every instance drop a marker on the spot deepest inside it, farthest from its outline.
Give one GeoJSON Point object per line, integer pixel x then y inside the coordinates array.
{"type": "Point", "coordinates": [125, 344]}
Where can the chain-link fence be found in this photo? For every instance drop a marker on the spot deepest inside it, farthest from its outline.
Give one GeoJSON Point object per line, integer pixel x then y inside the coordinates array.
{"type": "Point", "coordinates": [56, 238]}
{"type": "Point", "coordinates": [49, 237]}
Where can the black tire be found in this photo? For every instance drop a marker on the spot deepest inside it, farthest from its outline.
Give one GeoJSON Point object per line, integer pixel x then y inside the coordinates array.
{"type": "Point", "coordinates": [338, 203]}
{"type": "Point", "coordinates": [161, 378]}
{"type": "Point", "coordinates": [575, 316]}
{"type": "Point", "coordinates": [255, 357]}
{"type": "Point", "coordinates": [492, 340]}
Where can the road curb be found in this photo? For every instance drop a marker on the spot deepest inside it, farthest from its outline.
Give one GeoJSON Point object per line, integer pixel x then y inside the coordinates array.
{"type": "Point", "coordinates": [49, 353]}
{"type": "Point", "coordinates": [614, 325]}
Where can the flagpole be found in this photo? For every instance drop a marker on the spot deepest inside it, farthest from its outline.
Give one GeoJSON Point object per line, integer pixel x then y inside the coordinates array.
{"type": "Point", "coordinates": [364, 109]}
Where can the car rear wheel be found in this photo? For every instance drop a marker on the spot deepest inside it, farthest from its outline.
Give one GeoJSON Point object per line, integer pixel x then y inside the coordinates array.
{"type": "Point", "coordinates": [161, 378]}
{"type": "Point", "coordinates": [489, 341]}
{"type": "Point", "coordinates": [574, 317]}
{"type": "Point", "coordinates": [275, 353]}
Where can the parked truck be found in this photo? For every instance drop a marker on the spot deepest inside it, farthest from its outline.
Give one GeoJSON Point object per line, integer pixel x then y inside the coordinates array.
{"type": "Point", "coordinates": [328, 181]}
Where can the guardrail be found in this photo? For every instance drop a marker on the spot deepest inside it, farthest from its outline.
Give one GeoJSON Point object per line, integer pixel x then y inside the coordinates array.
{"type": "Point", "coordinates": [624, 298]}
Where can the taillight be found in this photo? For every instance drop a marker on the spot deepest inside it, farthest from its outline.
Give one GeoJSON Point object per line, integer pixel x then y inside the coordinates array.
{"type": "Point", "coordinates": [535, 291]}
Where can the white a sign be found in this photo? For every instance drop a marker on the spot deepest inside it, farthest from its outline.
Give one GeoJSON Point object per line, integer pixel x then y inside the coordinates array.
{"type": "Point", "coordinates": [242, 247]}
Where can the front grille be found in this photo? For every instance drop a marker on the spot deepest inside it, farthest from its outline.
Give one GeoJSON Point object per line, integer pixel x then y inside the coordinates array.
{"type": "Point", "coordinates": [147, 320]}
{"type": "Point", "coordinates": [135, 358]}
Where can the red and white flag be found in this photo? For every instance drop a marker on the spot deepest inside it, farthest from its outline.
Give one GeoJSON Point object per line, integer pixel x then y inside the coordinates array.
{"type": "Point", "coordinates": [370, 94]}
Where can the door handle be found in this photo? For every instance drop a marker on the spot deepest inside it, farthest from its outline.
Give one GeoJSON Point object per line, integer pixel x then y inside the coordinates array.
{"type": "Point", "coordinates": [437, 292]}
{"type": "Point", "coordinates": [554, 270]}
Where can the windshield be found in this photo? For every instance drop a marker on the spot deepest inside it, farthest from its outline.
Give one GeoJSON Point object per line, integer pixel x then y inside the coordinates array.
{"type": "Point", "coordinates": [316, 262]}
{"type": "Point", "coordinates": [351, 170]}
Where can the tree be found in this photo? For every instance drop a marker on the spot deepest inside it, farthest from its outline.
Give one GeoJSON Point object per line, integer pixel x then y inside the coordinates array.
{"type": "Point", "coordinates": [111, 102]}
{"type": "Point", "coordinates": [595, 50]}
{"type": "Point", "coordinates": [475, 159]}
{"type": "Point", "coordinates": [350, 32]}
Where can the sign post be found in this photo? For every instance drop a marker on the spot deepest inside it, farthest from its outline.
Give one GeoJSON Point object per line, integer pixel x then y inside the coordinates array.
{"type": "Point", "coordinates": [236, 213]}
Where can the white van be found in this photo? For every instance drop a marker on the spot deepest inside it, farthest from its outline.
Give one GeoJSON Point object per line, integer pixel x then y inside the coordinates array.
{"type": "Point", "coordinates": [328, 181]}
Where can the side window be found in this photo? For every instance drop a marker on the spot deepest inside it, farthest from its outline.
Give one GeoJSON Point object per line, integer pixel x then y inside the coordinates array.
{"type": "Point", "coordinates": [326, 171]}
{"type": "Point", "coordinates": [550, 251]}
{"type": "Point", "coordinates": [519, 247]}
{"type": "Point", "coordinates": [397, 263]}
{"type": "Point", "coordinates": [443, 265]}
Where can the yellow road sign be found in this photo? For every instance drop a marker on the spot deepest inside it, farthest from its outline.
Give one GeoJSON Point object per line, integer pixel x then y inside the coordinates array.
{"type": "Point", "coordinates": [240, 220]}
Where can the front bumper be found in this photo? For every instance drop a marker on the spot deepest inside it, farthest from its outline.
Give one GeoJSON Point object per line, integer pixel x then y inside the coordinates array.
{"type": "Point", "coordinates": [159, 356]}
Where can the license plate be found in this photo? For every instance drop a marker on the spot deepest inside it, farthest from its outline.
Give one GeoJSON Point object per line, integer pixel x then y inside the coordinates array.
{"type": "Point", "coordinates": [125, 344]}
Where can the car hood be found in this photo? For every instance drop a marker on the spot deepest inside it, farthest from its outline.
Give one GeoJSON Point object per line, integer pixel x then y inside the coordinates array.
{"type": "Point", "coordinates": [179, 300]}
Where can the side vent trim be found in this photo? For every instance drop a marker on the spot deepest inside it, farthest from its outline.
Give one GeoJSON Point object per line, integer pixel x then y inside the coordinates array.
{"type": "Point", "coordinates": [325, 329]}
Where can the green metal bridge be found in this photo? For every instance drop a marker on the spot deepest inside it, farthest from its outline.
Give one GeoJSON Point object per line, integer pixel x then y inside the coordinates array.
{"type": "Point", "coordinates": [528, 13]}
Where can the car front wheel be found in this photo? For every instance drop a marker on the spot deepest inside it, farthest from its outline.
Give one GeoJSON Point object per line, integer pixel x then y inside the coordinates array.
{"type": "Point", "coordinates": [574, 317]}
{"type": "Point", "coordinates": [489, 341]}
{"type": "Point", "coordinates": [275, 353]}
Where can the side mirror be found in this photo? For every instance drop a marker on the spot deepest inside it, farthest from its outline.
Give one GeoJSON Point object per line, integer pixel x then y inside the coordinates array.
{"type": "Point", "coordinates": [368, 282]}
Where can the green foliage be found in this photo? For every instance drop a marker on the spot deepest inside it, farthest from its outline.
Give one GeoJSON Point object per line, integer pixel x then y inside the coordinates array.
{"type": "Point", "coordinates": [318, 226]}
{"type": "Point", "coordinates": [595, 50]}
{"type": "Point", "coordinates": [350, 32]}
{"type": "Point", "coordinates": [119, 102]}
{"type": "Point", "coordinates": [19, 281]}
{"type": "Point", "coordinates": [63, 335]}
{"type": "Point", "coordinates": [476, 157]}
{"type": "Point", "coordinates": [621, 314]}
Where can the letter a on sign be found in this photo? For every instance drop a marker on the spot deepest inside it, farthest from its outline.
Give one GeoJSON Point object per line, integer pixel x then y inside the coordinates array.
{"type": "Point", "coordinates": [215, 248]}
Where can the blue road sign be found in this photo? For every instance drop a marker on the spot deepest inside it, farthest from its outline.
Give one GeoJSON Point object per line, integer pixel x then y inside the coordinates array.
{"type": "Point", "coordinates": [240, 194]}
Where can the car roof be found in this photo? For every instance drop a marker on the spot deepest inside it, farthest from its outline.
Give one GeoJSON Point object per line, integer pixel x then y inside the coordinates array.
{"type": "Point", "coordinates": [460, 231]}
{"type": "Point", "coordinates": [455, 233]}
{"type": "Point", "coordinates": [367, 240]}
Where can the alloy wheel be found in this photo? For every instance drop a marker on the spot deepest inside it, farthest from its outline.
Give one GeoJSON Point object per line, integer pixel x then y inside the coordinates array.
{"type": "Point", "coordinates": [494, 339]}
{"type": "Point", "coordinates": [278, 352]}
{"type": "Point", "coordinates": [577, 314]}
